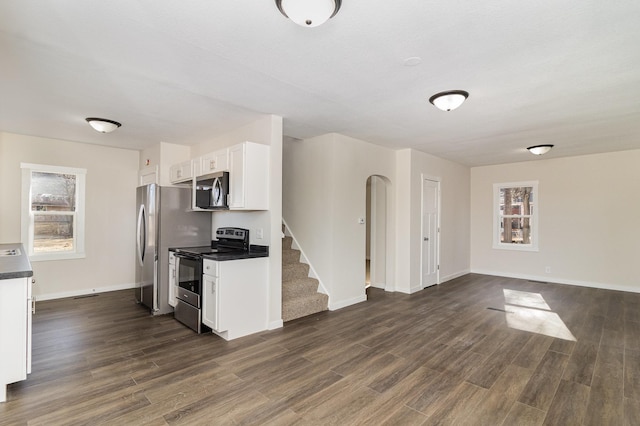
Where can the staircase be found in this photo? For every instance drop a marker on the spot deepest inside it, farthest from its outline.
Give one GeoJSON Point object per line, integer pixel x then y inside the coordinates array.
{"type": "Point", "coordinates": [300, 295]}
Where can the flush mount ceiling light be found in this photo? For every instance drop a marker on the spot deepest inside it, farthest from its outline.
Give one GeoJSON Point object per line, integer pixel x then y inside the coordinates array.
{"type": "Point", "coordinates": [103, 125]}
{"type": "Point", "coordinates": [309, 13]}
{"type": "Point", "coordinates": [449, 100]}
{"type": "Point", "coordinates": [540, 149]}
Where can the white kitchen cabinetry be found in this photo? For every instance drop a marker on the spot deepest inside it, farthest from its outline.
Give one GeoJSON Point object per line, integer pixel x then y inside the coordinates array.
{"type": "Point", "coordinates": [173, 286]}
{"type": "Point", "coordinates": [249, 176]}
{"type": "Point", "coordinates": [235, 296]}
{"type": "Point", "coordinates": [15, 331]}
{"type": "Point", "coordinates": [181, 172]}
{"type": "Point", "coordinates": [214, 162]}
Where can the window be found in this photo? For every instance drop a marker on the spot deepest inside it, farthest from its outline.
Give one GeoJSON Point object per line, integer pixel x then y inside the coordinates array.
{"type": "Point", "coordinates": [515, 224]}
{"type": "Point", "coordinates": [53, 211]}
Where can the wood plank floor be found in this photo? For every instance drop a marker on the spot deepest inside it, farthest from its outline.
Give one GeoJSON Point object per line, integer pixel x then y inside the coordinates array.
{"type": "Point", "coordinates": [450, 354]}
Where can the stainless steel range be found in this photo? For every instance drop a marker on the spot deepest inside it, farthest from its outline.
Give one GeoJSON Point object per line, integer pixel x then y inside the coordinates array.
{"type": "Point", "coordinates": [231, 242]}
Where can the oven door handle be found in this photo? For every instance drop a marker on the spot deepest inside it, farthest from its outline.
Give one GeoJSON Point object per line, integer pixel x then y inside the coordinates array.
{"type": "Point", "coordinates": [179, 255]}
{"type": "Point", "coordinates": [177, 271]}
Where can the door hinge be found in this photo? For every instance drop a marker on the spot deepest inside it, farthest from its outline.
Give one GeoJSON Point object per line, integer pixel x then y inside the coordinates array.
{"type": "Point", "coordinates": [438, 267]}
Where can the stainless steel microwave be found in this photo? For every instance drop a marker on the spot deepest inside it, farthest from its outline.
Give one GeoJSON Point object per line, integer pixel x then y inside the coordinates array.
{"type": "Point", "coordinates": [212, 191]}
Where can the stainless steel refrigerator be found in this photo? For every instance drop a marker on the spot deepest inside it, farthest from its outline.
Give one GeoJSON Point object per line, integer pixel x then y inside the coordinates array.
{"type": "Point", "coordinates": [164, 221]}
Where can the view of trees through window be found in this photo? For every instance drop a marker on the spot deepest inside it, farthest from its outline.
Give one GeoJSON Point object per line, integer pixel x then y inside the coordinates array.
{"type": "Point", "coordinates": [53, 205]}
{"type": "Point", "coordinates": [516, 209]}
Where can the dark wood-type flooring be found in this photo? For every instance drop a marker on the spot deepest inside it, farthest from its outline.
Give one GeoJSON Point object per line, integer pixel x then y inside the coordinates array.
{"type": "Point", "coordinates": [439, 356]}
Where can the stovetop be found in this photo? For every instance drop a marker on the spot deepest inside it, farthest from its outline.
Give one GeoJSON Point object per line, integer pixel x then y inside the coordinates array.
{"type": "Point", "coordinates": [232, 243]}
{"type": "Point", "coordinates": [206, 250]}
{"type": "Point", "coordinates": [222, 254]}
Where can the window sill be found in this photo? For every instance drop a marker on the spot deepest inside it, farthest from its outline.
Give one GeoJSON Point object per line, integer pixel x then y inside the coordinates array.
{"type": "Point", "coordinates": [45, 257]}
{"type": "Point", "coordinates": [515, 247]}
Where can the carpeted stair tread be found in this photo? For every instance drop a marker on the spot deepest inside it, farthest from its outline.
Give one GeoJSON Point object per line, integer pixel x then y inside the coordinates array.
{"type": "Point", "coordinates": [286, 243]}
{"type": "Point", "coordinates": [292, 271]}
{"type": "Point", "coordinates": [303, 306]}
{"type": "Point", "coordinates": [299, 288]}
{"type": "Point", "coordinates": [290, 256]}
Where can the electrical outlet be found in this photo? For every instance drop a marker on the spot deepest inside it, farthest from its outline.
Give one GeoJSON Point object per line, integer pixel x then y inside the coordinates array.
{"type": "Point", "coordinates": [259, 234]}
{"type": "Point", "coordinates": [547, 269]}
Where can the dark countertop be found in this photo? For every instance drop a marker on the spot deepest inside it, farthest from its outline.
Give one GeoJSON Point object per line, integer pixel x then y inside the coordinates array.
{"type": "Point", "coordinates": [14, 266]}
{"type": "Point", "coordinates": [255, 251]}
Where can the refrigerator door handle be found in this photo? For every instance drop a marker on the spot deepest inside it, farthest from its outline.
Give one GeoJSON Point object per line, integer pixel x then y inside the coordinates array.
{"type": "Point", "coordinates": [141, 235]}
{"type": "Point", "coordinates": [155, 285]}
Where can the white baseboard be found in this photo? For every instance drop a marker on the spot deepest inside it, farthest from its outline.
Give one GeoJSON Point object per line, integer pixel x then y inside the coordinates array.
{"type": "Point", "coordinates": [275, 324]}
{"type": "Point", "coordinates": [552, 280]}
{"type": "Point", "coordinates": [454, 276]}
{"type": "Point", "coordinates": [414, 290]}
{"type": "Point", "coordinates": [344, 303]}
{"type": "Point", "coordinates": [83, 292]}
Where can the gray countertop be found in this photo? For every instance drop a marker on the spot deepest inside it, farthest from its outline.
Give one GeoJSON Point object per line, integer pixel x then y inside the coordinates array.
{"type": "Point", "coordinates": [14, 266]}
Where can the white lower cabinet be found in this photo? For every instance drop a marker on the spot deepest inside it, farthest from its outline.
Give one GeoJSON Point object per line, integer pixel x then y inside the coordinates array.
{"type": "Point", "coordinates": [235, 296]}
{"type": "Point", "coordinates": [15, 332]}
{"type": "Point", "coordinates": [210, 302]}
{"type": "Point", "coordinates": [173, 286]}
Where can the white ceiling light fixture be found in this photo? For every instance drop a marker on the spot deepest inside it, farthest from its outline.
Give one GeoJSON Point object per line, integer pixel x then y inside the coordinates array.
{"type": "Point", "coordinates": [309, 13]}
{"type": "Point", "coordinates": [449, 100]}
{"type": "Point", "coordinates": [103, 125]}
{"type": "Point", "coordinates": [540, 149]}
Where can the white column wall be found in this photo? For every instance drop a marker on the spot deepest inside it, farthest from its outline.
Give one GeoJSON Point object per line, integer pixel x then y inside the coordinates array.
{"type": "Point", "coordinates": [324, 197]}
{"type": "Point", "coordinates": [454, 217]}
{"type": "Point", "coordinates": [268, 131]}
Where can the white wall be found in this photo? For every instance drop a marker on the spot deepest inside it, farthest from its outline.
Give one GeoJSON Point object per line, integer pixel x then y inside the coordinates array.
{"type": "Point", "coordinates": [268, 131]}
{"type": "Point", "coordinates": [377, 227]}
{"type": "Point", "coordinates": [161, 157]}
{"type": "Point", "coordinates": [307, 201]}
{"type": "Point", "coordinates": [110, 212]}
{"type": "Point", "coordinates": [588, 231]}
{"type": "Point", "coordinates": [454, 179]}
{"type": "Point", "coordinates": [324, 195]}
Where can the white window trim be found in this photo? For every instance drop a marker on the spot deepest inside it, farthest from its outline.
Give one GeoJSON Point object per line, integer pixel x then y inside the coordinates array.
{"type": "Point", "coordinates": [534, 246]}
{"type": "Point", "coordinates": [27, 216]}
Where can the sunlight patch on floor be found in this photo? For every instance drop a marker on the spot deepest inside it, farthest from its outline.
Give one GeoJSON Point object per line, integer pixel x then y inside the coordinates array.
{"type": "Point", "coordinates": [530, 312]}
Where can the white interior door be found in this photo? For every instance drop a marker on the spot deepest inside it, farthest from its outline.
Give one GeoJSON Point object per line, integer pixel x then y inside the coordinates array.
{"type": "Point", "coordinates": [430, 200]}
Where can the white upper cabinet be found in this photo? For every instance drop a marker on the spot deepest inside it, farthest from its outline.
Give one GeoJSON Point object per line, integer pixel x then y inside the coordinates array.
{"type": "Point", "coordinates": [214, 162]}
{"type": "Point", "coordinates": [249, 176]}
{"type": "Point", "coordinates": [181, 172]}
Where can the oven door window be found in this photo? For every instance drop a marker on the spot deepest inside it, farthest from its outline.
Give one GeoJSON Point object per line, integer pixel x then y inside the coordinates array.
{"type": "Point", "coordinates": [190, 274]}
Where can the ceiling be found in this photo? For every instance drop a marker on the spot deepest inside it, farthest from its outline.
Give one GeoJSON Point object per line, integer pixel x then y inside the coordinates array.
{"type": "Point", "coordinates": [565, 73]}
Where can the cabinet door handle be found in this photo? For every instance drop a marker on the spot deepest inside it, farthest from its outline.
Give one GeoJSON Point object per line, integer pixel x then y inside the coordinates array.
{"type": "Point", "coordinates": [212, 164]}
